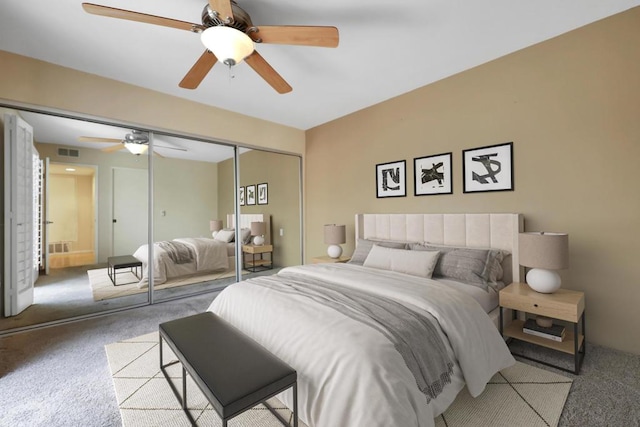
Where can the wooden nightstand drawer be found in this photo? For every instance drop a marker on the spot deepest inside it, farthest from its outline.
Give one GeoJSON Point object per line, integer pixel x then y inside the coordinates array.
{"type": "Point", "coordinates": [563, 304]}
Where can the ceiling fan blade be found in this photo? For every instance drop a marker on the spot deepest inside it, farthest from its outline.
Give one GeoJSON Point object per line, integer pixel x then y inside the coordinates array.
{"type": "Point", "coordinates": [97, 139]}
{"type": "Point", "coordinates": [223, 7]}
{"type": "Point", "coordinates": [297, 35]}
{"type": "Point", "coordinates": [113, 12]}
{"type": "Point", "coordinates": [113, 148]}
{"type": "Point", "coordinates": [271, 76]}
{"type": "Point", "coordinates": [199, 70]}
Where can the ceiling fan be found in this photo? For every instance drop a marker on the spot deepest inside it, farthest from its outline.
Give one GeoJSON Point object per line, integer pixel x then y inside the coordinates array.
{"type": "Point", "coordinates": [137, 142]}
{"type": "Point", "coordinates": [229, 36]}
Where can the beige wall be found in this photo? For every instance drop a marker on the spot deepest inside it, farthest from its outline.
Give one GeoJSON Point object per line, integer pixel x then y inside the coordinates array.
{"type": "Point", "coordinates": [187, 192]}
{"type": "Point", "coordinates": [282, 173]}
{"type": "Point", "coordinates": [570, 105]}
{"type": "Point", "coordinates": [43, 84]}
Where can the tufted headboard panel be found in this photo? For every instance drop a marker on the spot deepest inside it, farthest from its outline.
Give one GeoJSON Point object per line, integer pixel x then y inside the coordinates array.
{"type": "Point", "coordinates": [487, 230]}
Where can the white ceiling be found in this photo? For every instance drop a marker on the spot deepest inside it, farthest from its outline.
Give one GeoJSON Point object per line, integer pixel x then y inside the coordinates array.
{"type": "Point", "coordinates": [383, 51]}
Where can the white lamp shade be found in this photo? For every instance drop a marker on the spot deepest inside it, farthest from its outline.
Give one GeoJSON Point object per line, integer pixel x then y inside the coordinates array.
{"type": "Point", "coordinates": [229, 45]}
{"type": "Point", "coordinates": [136, 148]}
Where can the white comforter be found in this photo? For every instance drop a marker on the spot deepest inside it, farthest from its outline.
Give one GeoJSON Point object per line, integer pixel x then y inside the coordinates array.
{"type": "Point", "coordinates": [350, 374]}
{"type": "Point", "coordinates": [209, 255]}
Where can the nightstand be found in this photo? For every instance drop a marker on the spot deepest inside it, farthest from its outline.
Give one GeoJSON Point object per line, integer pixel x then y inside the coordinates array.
{"type": "Point", "coordinates": [257, 264]}
{"type": "Point", "coordinates": [563, 305]}
{"type": "Point", "coordinates": [328, 259]}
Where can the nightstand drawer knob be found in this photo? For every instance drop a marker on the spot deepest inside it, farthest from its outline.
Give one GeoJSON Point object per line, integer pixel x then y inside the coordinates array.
{"type": "Point", "coordinates": [535, 305]}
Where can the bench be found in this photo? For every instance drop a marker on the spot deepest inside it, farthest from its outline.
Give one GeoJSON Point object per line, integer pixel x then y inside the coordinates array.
{"type": "Point", "coordinates": [115, 263]}
{"type": "Point", "coordinates": [233, 372]}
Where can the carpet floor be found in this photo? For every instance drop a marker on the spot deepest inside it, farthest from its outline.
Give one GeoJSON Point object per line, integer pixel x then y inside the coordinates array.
{"type": "Point", "coordinates": [103, 288]}
{"type": "Point", "coordinates": [521, 395]}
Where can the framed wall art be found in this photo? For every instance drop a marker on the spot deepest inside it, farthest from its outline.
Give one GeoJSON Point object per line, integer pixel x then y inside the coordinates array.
{"type": "Point", "coordinates": [488, 168]}
{"type": "Point", "coordinates": [251, 195]}
{"type": "Point", "coordinates": [432, 175]}
{"type": "Point", "coordinates": [241, 196]}
{"type": "Point", "coordinates": [391, 179]}
{"type": "Point", "coordinates": [263, 194]}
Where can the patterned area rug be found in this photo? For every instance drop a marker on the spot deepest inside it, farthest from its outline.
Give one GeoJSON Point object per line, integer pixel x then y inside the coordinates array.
{"type": "Point", "coordinates": [522, 395]}
{"type": "Point", "coordinates": [102, 287]}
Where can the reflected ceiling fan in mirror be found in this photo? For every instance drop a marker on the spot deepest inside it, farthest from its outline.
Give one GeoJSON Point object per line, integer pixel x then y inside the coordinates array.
{"type": "Point", "coordinates": [137, 142]}
{"type": "Point", "coordinates": [229, 37]}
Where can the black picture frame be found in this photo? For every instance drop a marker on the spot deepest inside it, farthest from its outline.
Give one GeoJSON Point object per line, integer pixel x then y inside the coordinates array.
{"type": "Point", "coordinates": [251, 195]}
{"type": "Point", "coordinates": [263, 193]}
{"type": "Point", "coordinates": [433, 175]}
{"type": "Point", "coordinates": [241, 196]}
{"type": "Point", "coordinates": [396, 172]}
{"type": "Point", "coordinates": [488, 168]}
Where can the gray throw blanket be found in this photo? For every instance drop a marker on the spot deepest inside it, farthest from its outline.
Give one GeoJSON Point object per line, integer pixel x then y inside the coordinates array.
{"type": "Point", "coordinates": [413, 335]}
{"type": "Point", "coordinates": [179, 253]}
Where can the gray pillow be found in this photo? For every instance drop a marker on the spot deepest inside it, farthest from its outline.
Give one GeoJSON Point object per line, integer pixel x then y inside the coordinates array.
{"type": "Point", "coordinates": [363, 247]}
{"type": "Point", "coordinates": [477, 267]}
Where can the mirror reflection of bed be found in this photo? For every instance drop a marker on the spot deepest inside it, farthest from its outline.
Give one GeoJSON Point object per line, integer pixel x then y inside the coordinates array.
{"type": "Point", "coordinates": [189, 260]}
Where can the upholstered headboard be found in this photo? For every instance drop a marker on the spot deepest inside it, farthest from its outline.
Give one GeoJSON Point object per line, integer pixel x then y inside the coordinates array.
{"type": "Point", "coordinates": [489, 230]}
{"type": "Point", "coordinates": [247, 219]}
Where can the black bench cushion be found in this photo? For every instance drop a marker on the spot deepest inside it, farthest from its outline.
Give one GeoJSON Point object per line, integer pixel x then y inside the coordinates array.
{"type": "Point", "coordinates": [238, 372]}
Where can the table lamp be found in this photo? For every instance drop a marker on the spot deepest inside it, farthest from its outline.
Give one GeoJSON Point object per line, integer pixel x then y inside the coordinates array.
{"type": "Point", "coordinates": [257, 230]}
{"type": "Point", "coordinates": [544, 253]}
{"type": "Point", "coordinates": [334, 236]}
{"type": "Point", "coordinates": [215, 225]}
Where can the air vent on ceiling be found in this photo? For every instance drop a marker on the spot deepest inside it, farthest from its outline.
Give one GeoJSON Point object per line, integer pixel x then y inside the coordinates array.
{"type": "Point", "coordinates": [68, 152]}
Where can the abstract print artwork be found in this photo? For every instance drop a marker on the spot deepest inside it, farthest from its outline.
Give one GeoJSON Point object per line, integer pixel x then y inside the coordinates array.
{"type": "Point", "coordinates": [241, 196]}
{"type": "Point", "coordinates": [488, 168]}
{"type": "Point", "coordinates": [432, 175]}
{"type": "Point", "coordinates": [263, 194]}
{"type": "Point", "coordinates": [391, 179]}
{"type": "Point", "coordinates": [251, 195]}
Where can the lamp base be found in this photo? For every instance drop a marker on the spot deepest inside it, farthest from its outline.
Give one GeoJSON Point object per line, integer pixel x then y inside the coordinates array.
{"type": "Point", "coordinates": [334, 251]}
{"type": "Point", "coordinates": [543, 281]}
{"type": "Point", "coordinates": [258, 241]}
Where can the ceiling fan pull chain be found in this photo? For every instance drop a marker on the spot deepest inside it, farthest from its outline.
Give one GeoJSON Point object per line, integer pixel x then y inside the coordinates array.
{"type": "Point", "coordinates": [231, 76]}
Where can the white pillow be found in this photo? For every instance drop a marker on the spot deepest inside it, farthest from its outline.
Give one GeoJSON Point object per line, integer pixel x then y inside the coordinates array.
{"type": "Point", "coordinates": [415, 263]}
{"type": "Point", "coordinates": [225, 236]}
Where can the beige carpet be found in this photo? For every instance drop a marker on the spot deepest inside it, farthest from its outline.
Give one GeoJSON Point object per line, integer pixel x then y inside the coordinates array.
{"type": "Point", "coordinates": [102, 287]}
{"type": "Point", "coordinates": [519, 396]}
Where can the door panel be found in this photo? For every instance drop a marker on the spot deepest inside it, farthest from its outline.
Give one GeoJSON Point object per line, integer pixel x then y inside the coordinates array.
{"type": "Point", "coordinates": [19, 215]}
{"type": "Point", "coordinates": [130, 210]}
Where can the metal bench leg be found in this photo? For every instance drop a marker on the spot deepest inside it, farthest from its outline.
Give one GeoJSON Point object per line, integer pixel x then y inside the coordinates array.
{"type": "Point", "coordinates": [184, 388]}
{"type": "Point", "coordinates": [295, 405]}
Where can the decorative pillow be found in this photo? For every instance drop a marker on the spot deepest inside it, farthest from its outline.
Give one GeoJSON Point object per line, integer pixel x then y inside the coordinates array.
{"type": "Point", "coordinates": [245, 235]}
{"type": "Point", "coordinates": [477, 267]}
{"type": "Point", "coordinates": [415, 263]}
{"type": "Point", "coordinates": [225, 235]}
{"type": "Point", "coordinates": [363, 247]}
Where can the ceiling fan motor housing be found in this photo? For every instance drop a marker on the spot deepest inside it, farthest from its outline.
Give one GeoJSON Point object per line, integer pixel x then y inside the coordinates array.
{"type": "Point", "coordinates": [241, 19]}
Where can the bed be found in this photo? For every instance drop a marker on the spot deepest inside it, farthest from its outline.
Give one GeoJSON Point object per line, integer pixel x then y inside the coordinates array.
{"type": "Point", "coordinates": [377, 344]}
{"type": "Point", "coordinates": [189, 256]}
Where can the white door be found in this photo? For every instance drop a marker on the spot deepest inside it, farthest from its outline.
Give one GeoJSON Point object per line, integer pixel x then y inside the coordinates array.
{"type": "Point", "coordinates": [47, 221]}
{"type": "Point", "coordinates": [130, 210]}
{"type": "Point", "coordinates": [19, 215]}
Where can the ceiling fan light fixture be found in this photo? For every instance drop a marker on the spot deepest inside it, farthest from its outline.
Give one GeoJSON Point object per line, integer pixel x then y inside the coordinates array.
{"type": "Point", "coordinates": [136, 148]}
{"type": "Point", "coordinates": [229, 45]}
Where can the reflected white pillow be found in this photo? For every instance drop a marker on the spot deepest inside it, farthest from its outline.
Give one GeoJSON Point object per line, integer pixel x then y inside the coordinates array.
{"type": "Point", "coordinates": [225, 236]}
{"type": "Point", "coordinates": [415, 263]}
